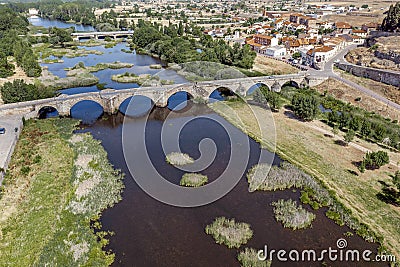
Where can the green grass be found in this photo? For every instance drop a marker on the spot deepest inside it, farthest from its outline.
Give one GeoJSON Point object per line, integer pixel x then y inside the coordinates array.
{"type": "Point", "coordinates": [37, 225]}
{"type": "Point", "coordinates": [229, 232]}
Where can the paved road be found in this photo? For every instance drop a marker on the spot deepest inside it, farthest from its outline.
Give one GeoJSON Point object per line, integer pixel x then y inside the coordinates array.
{"type": "Point", "coordinates": [9, 139]}
{"type": "Point", "coordinates": [327, 71]}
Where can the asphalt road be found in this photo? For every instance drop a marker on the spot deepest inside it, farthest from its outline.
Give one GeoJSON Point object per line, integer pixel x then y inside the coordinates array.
{"type": "Point", "coordinates": [9, 139]}
{"type": "Point", "coordinates": [327, 71]}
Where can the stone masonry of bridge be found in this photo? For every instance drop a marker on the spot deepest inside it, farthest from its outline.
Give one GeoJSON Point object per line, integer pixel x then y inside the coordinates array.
{"type": "Point", "coordinates": [96, 35]}
{"type": "Point", "coordinates": [110, 99]}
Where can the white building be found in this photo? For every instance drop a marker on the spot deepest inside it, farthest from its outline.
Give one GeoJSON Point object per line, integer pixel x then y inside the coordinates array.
{"type": "Point", "coordinates": [275, 51]}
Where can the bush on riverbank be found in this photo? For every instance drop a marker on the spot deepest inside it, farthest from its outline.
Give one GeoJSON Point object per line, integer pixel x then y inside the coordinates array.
{"type": "Point", "coordinates": [292, 216]}
{"type": "Point", "coordinates": [193, 180]}
{"type": "Point", "coordinates": [228, 232]}
{"type": "Point", "coordinates": [264, 177]}
{"type": "Point", "coordinates": [128, 77]}
{"type": "Point", "coordinates": [176, 158]}
{"type": "Point", "coordinates": [53, 194]}
{"type": "Point", "coordinates": [19, 91]}
{"type": "Point", "coordinates": [79, 67]}
{"type": "Point", "coordinates": [249, 258]}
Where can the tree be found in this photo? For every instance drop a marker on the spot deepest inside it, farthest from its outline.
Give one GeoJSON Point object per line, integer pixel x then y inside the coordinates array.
{"type": "Point", "coordinates": [6, 69]}
{"type": "Point", "coordinates": [296, 55]}
{"type": "Point", "coordinates": [59, 36]}
{"type": "Point", "coordinates": [19, 91]}
{"type": "Point", "coordinates": [392, 20]}
{"type": "Point", "coordinates": [375, 160]}
{"type": "Point", "coordinates": [349, 136]}
{"type": "Point", "coordinates": [305, 106]}
{"type": "Point", "coordinates": [265, 96]}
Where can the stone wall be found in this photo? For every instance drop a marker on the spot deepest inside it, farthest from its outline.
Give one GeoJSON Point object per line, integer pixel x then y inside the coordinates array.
{"type": "Point", "coordinates": [384, 76]}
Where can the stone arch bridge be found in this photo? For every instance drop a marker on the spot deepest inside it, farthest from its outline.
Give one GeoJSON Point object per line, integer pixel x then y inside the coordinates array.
{"type": "Point", "coordinates": [111, 99]}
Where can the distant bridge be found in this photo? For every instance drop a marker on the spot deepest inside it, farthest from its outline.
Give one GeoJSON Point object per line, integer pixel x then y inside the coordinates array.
{"type": "Point", "coordinates": [111, 99]}
{"type": "Point", "coordinates": [100, 35]}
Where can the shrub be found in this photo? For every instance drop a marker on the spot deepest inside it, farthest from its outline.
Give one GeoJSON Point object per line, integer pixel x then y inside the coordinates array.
{"type": "Point", "coordinates": [176, 158]}
{"type": "Point", "coordinates": [19, 91]}
{"type": "Point", "coordinates": [193, 180]}
{"type": "Point", "coordinates": [249, 258]}
{"type": "Point", "coordinates": [375, 160]}
{"type": "Point", "coordinates": [305, 106]}
{"type": "Point", "coordinates": [292, 216]}
{"type": "Point", "coordinates": [228, 232]}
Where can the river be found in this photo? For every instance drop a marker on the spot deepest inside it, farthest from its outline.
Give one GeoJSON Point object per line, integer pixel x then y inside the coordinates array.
{"type": "Point", "coordinates": [150, 233]}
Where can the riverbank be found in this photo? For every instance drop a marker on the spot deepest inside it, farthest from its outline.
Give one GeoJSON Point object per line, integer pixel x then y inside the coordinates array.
{"type": "Point", "coordinates": [55, 189]}
{"type": "Point", "coordinates": [319, 155]}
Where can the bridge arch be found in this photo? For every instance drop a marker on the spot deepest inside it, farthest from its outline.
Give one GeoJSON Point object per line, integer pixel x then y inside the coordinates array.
{"type": "Point", "coordinates": [179, 100]}
{"type": "Point", "coordinates": [291, 83]}
{"type": "Point", "coordinates": [86, 110]}
{"type": "Point", "coordinates": [221, 93]}
{"type": "Point", "coordinates": [136, 105]}
{"type": "Point", "coordinates": [47, 111]}
{"type": "Point", "coordinates": [254, 87]}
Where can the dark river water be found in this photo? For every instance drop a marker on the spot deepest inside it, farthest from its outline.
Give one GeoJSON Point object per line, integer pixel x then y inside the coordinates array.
{"type": "Point", "coordinates": [151, 233]}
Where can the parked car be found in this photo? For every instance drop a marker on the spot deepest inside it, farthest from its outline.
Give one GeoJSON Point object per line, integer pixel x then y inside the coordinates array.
{"type": "Point", "coordinates": [2, 130]}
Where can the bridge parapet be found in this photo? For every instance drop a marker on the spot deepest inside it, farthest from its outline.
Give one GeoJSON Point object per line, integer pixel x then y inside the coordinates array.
{"type": "Point", "coordinates": [111, 99]}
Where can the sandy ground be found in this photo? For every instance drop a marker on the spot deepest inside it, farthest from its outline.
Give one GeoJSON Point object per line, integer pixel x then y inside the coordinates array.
{"type": "Point", "coordinates": [18, 74]}
{"type": "Point", "coordinates": [272, 66]}
{"type": "Point", "coordinates": [350, 94]}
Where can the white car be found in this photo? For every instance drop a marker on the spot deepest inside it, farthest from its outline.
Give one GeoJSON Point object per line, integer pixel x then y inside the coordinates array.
{"type": "Point", "coordinates": [337, 61]}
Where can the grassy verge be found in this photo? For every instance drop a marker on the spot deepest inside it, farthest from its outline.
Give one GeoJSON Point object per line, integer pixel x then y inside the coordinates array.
{"type": "Point", "coordinates": [351, 95]}
{"type": "Point", "coordinates": [53, 194]}
{"type": "Point", "coordinates": [331, 164]}
{"type": "Point", "coordinates": [388, 91]}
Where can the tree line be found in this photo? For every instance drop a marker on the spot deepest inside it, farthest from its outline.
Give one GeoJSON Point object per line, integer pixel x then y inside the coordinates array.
{"type": "Point", "coordinates": [177, 43]}
{"type": "Point", "coordinates": [12, 25]}
{"type": "Point", "coordinates": [306, 104]}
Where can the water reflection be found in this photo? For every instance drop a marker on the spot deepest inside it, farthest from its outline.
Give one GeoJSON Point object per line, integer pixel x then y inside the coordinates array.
{"type": "Point", "coordinates": [136, 106]}
{"type": "Point", "coordinates": [87, 111]}
{"type": "Point", "coordinates": [179, 101]}
{"type": "Point", "coordinates": [37, 21]}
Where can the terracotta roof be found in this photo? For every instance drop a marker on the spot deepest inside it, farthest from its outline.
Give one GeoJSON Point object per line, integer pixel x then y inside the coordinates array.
{"type": "Point", "coordinates": [253, 43]}
{"type": "Point", "coordinates": [342, 25]}
{"type": "Point", "coordinates": [371, 25]}
{"type": "Point", "coordinates": [359, 31]}
{"type": "Point", "coordinates": [323, 49]}
{"type": "Point", "coordinates": [263, 36]}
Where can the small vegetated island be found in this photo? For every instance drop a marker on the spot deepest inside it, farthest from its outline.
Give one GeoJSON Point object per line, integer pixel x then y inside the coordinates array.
{"type": "Point", "coordinates": [229, 232]}
{"type": "Point", "coordinates": [193, 180]}
{"type": "Point", "coordinates": [177, 158]}
{"type": "Point", "coordinates": [249, 258]}
{"type": "Point", "coordinates": [291, 215]}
